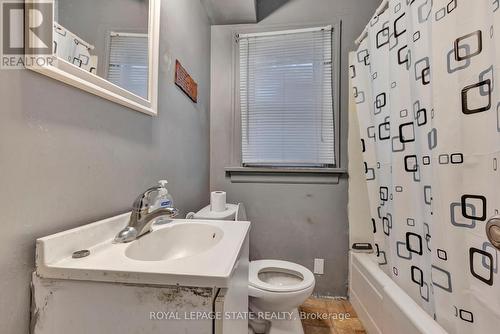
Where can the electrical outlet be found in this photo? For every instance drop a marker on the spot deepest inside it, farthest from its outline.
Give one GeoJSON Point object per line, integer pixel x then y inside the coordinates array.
{"type": "Point", "coordinates": [319, 266]}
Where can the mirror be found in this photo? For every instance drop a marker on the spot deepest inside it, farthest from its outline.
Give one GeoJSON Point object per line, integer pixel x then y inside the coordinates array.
{"type": "Point", "coordinates": [108, 48]}
{"type": "Point", "coordinates": [106, 38]}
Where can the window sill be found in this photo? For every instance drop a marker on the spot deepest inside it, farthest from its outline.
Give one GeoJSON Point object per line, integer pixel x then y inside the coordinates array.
{"type": "Point", "coordinates": [285, 175]}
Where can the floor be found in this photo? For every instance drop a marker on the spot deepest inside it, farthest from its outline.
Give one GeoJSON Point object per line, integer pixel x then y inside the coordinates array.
{"type": "Point", "coordinates": [330, 316]}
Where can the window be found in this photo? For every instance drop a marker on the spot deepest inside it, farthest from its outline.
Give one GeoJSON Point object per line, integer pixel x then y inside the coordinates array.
{"type": "Point", "coordinates": [128, 62]}
{"type": "Point", "coordinates": [286, 98]}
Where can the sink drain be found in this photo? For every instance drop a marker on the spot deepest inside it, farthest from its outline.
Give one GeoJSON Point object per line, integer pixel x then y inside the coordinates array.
{"type": "Point", "coordinates": [81, 253]}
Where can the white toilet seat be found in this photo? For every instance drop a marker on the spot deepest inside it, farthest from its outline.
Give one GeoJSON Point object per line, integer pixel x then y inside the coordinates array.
{"type": "Point", "coordinates": [294, 276]}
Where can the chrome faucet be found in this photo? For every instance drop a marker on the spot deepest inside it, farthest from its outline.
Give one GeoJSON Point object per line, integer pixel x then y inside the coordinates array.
{"type": "Point", "coordinates": [141, 218]}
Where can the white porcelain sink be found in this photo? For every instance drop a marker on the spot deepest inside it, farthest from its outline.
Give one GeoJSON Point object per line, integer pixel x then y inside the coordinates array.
{"type": "Point", "coordinates": [184, 252]}
{"type": "Point", "coordinates": [175, 242]}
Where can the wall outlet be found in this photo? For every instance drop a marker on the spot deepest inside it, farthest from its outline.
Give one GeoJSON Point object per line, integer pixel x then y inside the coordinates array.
{"type": "Point", "coordinates": [319, 266]}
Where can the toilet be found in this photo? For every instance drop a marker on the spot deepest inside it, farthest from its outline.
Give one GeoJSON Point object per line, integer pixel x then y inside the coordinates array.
{"type": "Point", "coordinates": [279, 286]}
{"type": "Point", "coordinates": [274, 286]}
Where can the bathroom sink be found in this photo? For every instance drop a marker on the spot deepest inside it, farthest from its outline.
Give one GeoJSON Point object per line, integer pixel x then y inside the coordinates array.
{"type": "Point", "coordinates": [201, 253]}
{"type": "Point", "coordinates": [175, 242]}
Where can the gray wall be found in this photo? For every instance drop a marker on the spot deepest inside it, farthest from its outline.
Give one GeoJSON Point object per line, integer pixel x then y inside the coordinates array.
{"type": "Point", "coordinates": [290, 222]}
{"type": "Point", "coordinates": [69, 158]}
{"type": "Point", "coordinates": [93, 20]}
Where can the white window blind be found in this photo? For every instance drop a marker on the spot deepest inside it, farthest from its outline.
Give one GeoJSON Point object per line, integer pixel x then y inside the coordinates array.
{"type": "Point", "coordinates": [286, 97]}
{"type": "Point", "coordinates": [128, 62]}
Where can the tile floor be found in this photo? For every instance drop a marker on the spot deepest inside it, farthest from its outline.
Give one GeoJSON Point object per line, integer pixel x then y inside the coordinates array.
{"type": "Point", "coordinates": [329, 316]}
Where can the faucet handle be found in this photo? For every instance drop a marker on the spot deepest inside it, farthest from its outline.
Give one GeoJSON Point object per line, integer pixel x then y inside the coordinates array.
{"type": "Point", "coordinates": [146, 200]}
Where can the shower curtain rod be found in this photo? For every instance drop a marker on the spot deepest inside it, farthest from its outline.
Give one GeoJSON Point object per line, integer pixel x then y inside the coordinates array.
{"type": "Point", "coordinates": [284, 32]}
{"type": "Point", "coordinates": [382, 8]}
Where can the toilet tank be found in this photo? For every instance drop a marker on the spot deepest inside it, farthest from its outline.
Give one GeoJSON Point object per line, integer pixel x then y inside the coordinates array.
{"type": "Point", "coordinates": [233, 212]}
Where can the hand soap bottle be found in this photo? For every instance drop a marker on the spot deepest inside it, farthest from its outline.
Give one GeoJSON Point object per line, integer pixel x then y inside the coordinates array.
{"type": "Point", "coordinates": [165, 200]}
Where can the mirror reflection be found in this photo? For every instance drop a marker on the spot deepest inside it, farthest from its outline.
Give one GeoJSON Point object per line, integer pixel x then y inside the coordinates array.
{"type": "Point", "coordinates": [106, 38]}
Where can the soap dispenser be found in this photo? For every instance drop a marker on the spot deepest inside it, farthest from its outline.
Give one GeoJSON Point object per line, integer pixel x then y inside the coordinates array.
{"type": "Point", "coordinates": [165, 200]}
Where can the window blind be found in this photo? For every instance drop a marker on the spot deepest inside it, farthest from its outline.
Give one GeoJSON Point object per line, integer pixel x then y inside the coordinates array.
{"type": "Point", "coordinates": [128, 62]}
{"type": "Point", "coordinates": [286, 98]}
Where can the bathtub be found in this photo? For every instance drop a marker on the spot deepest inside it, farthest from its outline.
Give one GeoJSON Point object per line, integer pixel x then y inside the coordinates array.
{"type": "Point", "coordinates": [382, 306]}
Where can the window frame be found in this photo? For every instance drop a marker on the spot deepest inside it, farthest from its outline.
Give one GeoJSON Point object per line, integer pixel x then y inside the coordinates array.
{"type": "Point", "coordinates": [237, 171]}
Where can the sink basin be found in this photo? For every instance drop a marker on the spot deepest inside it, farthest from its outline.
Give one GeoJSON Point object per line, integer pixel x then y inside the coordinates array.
{"type": "Point", "coordinates": [175, 242]}
{"type": "Point", "coordinates": [197, 253]}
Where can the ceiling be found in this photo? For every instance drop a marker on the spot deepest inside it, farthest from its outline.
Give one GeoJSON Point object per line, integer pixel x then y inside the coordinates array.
{"type": "Point", "coordinates": [231, 11]}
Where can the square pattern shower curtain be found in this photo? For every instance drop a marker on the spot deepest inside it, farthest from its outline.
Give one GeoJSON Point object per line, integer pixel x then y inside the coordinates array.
{"type": "Point", "coordinates": [425, 82]}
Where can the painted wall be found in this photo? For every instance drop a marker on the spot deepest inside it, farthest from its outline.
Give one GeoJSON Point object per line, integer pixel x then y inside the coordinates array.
{"type": "Point", "coordinates": [69, 158]}
{"type": "Point", "coordinates": [290, 222]}
{"type": "Point", "coordinates": [93, 20]}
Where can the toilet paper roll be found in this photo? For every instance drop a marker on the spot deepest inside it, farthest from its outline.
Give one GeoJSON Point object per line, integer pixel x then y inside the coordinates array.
{"type": "Point", "coordinates": [218, 201]}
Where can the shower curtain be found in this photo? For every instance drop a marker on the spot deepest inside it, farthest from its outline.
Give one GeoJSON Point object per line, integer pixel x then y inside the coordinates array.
{"type": "Point", "coordinates": [425, 83]}
{"type": "Point", "coordinates": [73, 49]}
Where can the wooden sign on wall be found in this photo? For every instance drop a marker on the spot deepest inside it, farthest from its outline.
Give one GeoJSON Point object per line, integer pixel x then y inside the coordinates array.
{"type": "Point", "coordinates": [184, 81]}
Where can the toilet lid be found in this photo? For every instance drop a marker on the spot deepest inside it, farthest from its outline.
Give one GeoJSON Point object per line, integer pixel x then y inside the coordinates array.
{"type": "Point", "coordinates": [279, 276]}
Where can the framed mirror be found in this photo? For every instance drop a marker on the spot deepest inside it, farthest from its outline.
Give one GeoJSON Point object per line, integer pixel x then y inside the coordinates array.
{"type": "Point", "coordinates": [108, 48]}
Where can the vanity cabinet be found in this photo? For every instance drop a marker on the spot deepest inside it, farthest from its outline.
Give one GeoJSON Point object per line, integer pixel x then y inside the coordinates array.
{"type": "Point", "coordinates": [111, 302]}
